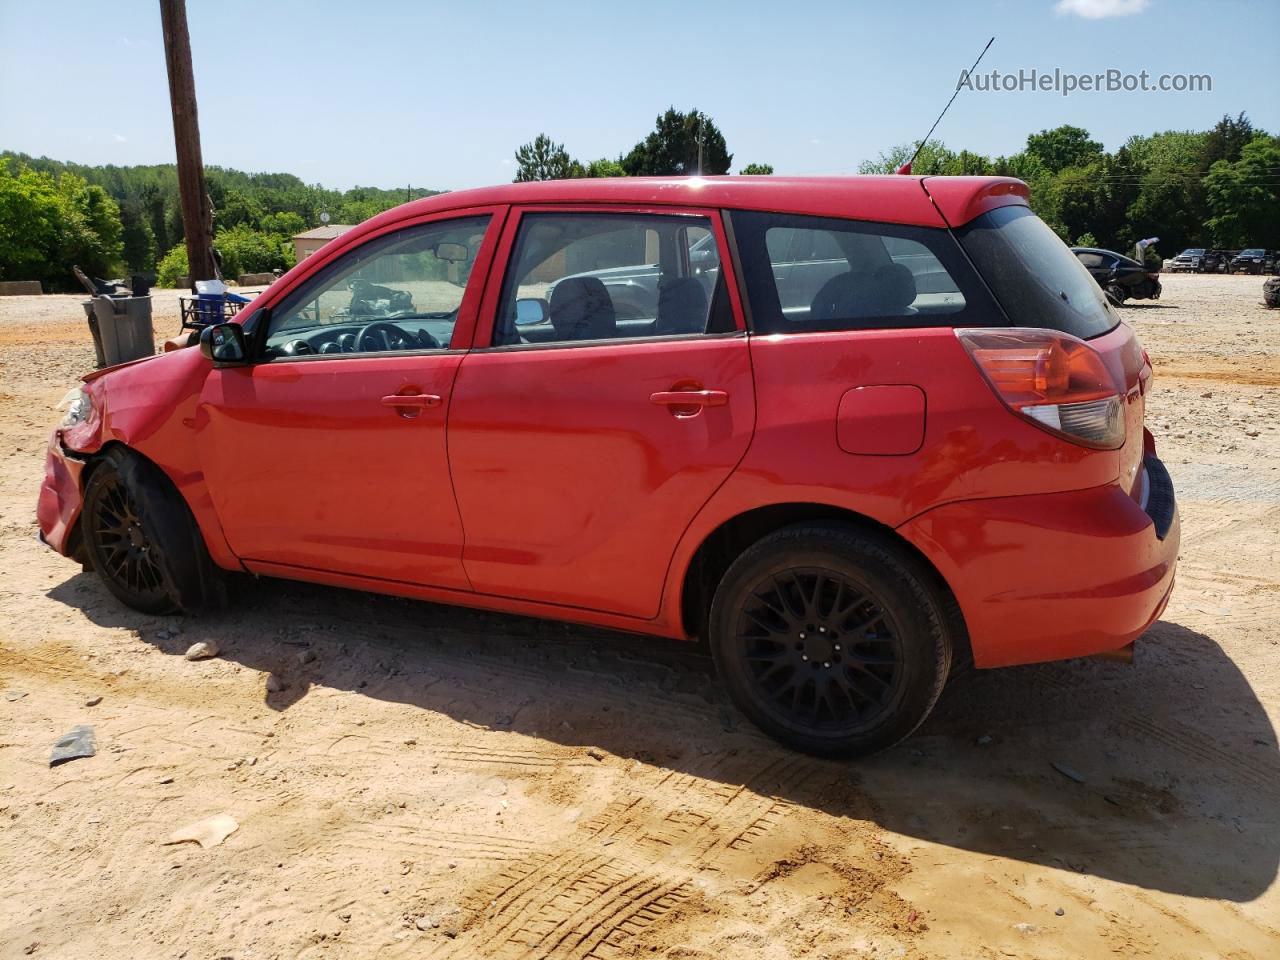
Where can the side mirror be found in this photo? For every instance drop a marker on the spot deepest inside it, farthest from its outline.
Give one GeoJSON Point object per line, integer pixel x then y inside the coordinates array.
{"type": "Point", "coordinates": [224, 344]}
{"type": "Point", "coordinates": [532, 310]}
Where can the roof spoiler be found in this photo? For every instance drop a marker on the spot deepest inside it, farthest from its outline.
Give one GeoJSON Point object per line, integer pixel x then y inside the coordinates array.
{"type": "Point", "coordinates": [960, 199]}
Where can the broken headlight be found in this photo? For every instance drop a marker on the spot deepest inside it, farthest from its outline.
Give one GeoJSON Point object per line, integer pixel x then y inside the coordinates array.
{"type": "Point", "coordinates": [76, 407]}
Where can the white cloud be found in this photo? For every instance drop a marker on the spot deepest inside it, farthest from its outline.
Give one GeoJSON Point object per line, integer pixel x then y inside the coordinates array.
{"type": "Point", "coordinates": [121, 138]}
{"type": "Point", "coordinates": [1101, 9]}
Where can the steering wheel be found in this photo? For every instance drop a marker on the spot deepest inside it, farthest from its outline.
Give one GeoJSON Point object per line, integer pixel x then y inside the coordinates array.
{"type": "Point", "coordinates": [389, 335]}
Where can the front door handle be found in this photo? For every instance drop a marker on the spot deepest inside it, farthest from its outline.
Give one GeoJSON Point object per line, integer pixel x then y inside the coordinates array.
{"type": "Point", "coordinates": [413, 400]}
{"type": "Point", "coordinates": [690, 398]}
{"type": "Point", "coordinates": [410, 405]}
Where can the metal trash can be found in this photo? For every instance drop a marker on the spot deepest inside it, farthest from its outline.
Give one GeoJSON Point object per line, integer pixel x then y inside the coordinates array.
{"type": "Point", "coordinates": [121, 328]}
{"type": "Point", "coordinates": [97, 334]}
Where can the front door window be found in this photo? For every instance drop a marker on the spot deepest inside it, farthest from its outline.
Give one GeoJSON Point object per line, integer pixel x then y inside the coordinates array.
{"type": "Point", "coordinates": [401, 291]}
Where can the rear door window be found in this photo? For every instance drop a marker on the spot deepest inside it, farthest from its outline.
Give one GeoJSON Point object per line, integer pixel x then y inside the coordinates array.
{"type": "Point", "coordinates": [596, 277]}
{"type": "Point", "coordinates": [813, 274]}
{"type": "Point", "coordinates": [1036, 278]}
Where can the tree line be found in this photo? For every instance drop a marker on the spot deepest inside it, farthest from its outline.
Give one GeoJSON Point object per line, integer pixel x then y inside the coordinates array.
{"type": "Point", "coordinates": [113, 220]}
{"type": "Point", "coordinates": [1211, 188]}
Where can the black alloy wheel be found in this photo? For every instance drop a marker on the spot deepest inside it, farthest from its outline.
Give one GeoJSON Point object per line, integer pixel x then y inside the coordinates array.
{"type": "Point", "coordinates": [127, 554]}
{"type": "Point", "coordinates": [834, 639]}
{"type": "Point", "coordinates": [820, 648]}
{"type": "Point", "coordinates": [142, 540]}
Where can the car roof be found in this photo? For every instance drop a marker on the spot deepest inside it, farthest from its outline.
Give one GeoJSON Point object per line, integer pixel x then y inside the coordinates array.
{"type": "Point", "coordinates": [923, 201]}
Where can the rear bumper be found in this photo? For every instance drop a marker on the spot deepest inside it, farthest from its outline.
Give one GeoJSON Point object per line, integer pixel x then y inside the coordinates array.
{"type": "Point", "coordinates": [58, 507]}
{"type": "Point", "coordinates": [1055, 576]}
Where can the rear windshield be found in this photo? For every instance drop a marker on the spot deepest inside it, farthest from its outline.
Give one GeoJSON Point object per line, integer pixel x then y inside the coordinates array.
{"type": "Point", "coordinates": [1037, 280]}
{"type": "Point", "coordinates": [805, 274]}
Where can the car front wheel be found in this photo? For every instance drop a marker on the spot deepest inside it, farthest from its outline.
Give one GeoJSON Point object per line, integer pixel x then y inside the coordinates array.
{"type": "Point", "coordinates": [142, 539]}
{"type": "Point", "coordinates": [831, 639]}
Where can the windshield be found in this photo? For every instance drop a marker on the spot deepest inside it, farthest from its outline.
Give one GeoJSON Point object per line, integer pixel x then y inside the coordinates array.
{"type": "Point", "coordinates": [1251, 253]}
{"type": "Point", "coordinates": [1034, 275]}
{"type": "Point", "coordinates": [1193, 252]}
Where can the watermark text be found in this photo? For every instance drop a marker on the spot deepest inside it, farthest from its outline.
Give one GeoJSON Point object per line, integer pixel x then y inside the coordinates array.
{"type": "Point", "coordinates": [1066, 83]}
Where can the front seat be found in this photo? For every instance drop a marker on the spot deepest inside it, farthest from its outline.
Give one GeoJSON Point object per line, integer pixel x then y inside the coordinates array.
{"type": "Point", "coordinates": [682, 307]}
{"type": "Point", "coordinates": [887, 291]}
{"type": "Point", "coordinates": [581, 309]}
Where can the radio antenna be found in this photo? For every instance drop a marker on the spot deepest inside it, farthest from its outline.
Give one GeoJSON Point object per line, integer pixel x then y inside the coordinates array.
{"type": "Point", "coordinates": [905, 169]}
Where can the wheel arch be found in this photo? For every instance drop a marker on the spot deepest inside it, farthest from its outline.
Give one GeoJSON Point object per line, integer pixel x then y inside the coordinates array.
{"type": "Point", "coordinates": [723, 544]}
{"type": "Point", "coordinates": [190, 493]}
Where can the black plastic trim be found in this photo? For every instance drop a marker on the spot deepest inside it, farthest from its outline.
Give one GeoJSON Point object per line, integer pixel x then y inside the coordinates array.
{"type": "Point", "coordinates": [1162, 504]}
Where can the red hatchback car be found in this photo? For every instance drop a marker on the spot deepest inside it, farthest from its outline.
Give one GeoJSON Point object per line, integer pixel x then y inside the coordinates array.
{"type": "Point", "coordinates": [851, 431]}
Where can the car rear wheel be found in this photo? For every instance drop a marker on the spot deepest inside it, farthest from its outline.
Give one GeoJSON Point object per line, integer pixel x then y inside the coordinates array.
{"type": "Point", "coordinates": [831, 639]}
{"type": "Point", "coordinates": [142, 539]}
{"type": "Point", "coordinates": [1116, 293]}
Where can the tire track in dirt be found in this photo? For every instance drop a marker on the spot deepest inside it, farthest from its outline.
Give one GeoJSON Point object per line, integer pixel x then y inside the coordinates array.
{"type": "Point", "coordinates": [588, 900]}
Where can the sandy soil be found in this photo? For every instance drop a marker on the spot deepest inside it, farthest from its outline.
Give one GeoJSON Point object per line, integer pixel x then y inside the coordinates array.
{"type": "Point", "coordinates": [442, 783]}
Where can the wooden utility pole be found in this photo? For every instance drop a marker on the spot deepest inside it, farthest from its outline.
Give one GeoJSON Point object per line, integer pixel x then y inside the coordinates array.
{"type": "Point", "coordinates": [197, 214]}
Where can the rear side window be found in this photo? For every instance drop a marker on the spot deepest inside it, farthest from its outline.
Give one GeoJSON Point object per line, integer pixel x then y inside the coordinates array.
{"type": "Point", "coordinates": [808, 274]}
{"type": "Point", "coordinates": [1036, 278]}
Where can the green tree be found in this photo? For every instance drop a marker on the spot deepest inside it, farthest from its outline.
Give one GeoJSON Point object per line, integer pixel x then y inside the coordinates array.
{"type": "Point", "coordinates": [1063, 147]}
{"type": "Point", "coordinates": [757, 170]}
{"type": "Point", "coordinates": [172, 266]}
{"type": "Point", "coordinates": [604, 168]}
{"type": "Point", "coordinates": [1226, 141]}
{"type": "Point", "coordinates": [672, 149]}
{"type": "Point", "coordinates": [542, 159]}
{"type": "Point", "coordinates": [49, 223]}
{"type": "Point", "coordinates": [138, 239]}
{"type": "Point", "coordinates": [30, 218]}
{"type": "Point", "coordinates": [1244, 196]}
{"type": "Point", "coordinates": [244, 250]}
{"type": "Point", "coordinates": [286, 224]}
{"type": "Point", "coordinates": [933, 159]}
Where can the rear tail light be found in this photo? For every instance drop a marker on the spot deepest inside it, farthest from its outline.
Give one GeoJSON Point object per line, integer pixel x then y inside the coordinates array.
{"type": "Point", "coordinates": [1053, 379]}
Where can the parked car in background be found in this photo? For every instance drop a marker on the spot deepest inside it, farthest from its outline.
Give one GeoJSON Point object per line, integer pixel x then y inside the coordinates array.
{"type": "Point", "coordinates": [1123, 278]}
{"type": "Point", "coordinates": [875, 427]}
{"type": "Point", "coordinates": [1216, 261]}
{"type": "Point", "coordinates": [1254, 260]}
{"type": "Point", "coordinates": [1200, 260]}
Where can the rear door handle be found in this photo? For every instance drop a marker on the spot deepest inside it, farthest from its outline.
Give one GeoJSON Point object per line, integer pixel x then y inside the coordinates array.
{"type": "Point", "coordinates": [689, 398]}
{"type": "Point", "coordinates": [416, 400]}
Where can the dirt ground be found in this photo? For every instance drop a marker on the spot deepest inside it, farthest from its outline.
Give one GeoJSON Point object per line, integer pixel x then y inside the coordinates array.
{"type": "Point", "coordinates": [441, 783]}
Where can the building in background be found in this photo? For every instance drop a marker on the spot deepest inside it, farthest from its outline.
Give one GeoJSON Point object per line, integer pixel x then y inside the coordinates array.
{"type": "Point", "coordinates": [309, 241]}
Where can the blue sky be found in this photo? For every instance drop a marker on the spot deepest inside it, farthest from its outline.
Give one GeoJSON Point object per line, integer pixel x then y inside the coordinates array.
{"type": "Point", "coordinates": [440, 94]}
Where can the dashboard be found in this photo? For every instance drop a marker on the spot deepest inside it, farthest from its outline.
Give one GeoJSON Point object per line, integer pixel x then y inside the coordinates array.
{"type": "Point", "coordinates": [372, 336]}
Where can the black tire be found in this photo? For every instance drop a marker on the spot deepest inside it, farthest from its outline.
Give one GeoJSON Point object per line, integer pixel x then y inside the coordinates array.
{"type": "Point", "coordinates": [142, 539]}
{"type": "Point", "coordinates": [877, 662]}
{"type": "Point", "coordinates": [1116, 293]}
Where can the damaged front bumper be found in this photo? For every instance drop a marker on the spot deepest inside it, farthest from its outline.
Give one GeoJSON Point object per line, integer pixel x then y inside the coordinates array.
{"type": "Point", "coordinates": [58, 507]}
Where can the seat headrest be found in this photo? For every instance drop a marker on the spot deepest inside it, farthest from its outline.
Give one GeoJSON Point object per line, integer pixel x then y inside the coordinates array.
{"type": "Point", "coordinates": [682, 307]}
{"type": "Point", "coordinates": [581, 309]}
{"type": "Point", "coordinates": [887, 291]}
{"type": "Point", "coordinates": [892, 290]}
